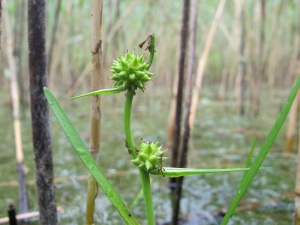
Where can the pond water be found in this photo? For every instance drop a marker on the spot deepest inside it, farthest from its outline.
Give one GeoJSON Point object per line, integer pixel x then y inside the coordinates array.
{"type": "Point", "coordinates": [221, 139]}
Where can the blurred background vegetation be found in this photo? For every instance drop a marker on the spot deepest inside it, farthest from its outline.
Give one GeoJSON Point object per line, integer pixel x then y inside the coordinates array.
{"type": "Point", "coordinates": [127, 23]}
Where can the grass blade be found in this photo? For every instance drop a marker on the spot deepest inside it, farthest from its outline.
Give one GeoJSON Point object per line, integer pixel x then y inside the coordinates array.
{"type": "Point", "coordinates": [179, 172]}
{"type": "Point", "coordinates": [263, 152]}
{"type": "Point", "coordinates": [88, 160]}
{"type": "Point", "coordinates": [102, 92]}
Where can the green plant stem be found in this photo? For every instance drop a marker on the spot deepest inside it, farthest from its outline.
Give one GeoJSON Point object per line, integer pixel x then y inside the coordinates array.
{"type": "Point", "coordinates": [145, 178]}
{"type": "Point", "coordinates": [146, 185]}
{"type": "Point", "coordinates": [127, 129]}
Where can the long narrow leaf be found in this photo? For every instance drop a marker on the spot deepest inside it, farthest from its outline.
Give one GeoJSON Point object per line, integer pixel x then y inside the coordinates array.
{"type": "Point", "coordinates": [87, 159]}
{"type": "Point", "coordinates": [179, 172]}
{"type": "Point", "coordinates": [102, 92]}
{"type": "Point", "coordinates": [263, 152]}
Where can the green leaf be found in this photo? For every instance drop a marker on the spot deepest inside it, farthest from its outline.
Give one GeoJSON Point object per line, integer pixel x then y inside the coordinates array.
{"type": "Point", "coordinates": [102, 92]}
{"type": "Point", "coordinates": [87, 159]}
{"type": "Point", "coordinates": [262, 153]}
{"type": "Point", "coordinates": [180, 172]}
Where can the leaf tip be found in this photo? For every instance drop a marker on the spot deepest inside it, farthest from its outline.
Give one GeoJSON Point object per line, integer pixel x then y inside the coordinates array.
{"type": "Point", "coordinates": [78, 96]}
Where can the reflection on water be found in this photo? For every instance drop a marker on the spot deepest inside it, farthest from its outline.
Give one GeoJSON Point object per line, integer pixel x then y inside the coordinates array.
{"type": "Point", "coordinates": [220, 139]}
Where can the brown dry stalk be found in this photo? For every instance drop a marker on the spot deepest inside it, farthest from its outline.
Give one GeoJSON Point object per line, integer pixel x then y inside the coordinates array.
{"type": "Point", "coordinates": [95, 112]}
{"type": "Point", "coordinates": [203, 60]}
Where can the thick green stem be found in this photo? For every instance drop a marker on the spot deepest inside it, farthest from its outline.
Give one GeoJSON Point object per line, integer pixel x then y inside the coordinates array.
{"type": "Point", "coordinates": [145, 178]}
{"type": "Point", "coordinates": [143, 174]}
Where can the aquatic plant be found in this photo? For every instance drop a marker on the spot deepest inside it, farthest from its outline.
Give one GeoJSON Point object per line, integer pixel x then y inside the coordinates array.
{"type": "Point", "coordinates": [129, 73]}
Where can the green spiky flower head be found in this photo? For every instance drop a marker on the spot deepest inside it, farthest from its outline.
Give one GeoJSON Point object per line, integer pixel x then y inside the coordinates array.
{"type": "Point", "coordinates": [150, 157]}
{"type": "Point", "coordinates": [130, 71]}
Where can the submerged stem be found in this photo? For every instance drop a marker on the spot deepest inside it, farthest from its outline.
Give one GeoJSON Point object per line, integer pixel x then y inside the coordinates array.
{"type": "Point", "coordinates": [143, 174]}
